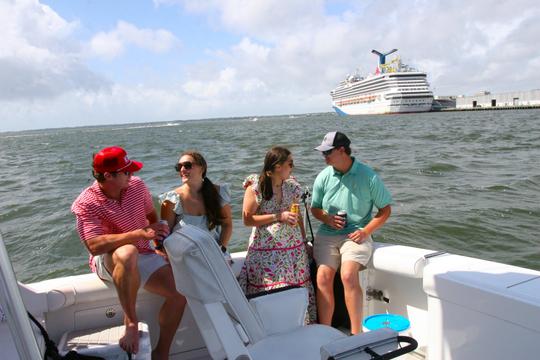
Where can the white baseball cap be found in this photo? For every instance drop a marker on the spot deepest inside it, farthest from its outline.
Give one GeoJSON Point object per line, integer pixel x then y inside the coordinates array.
{"type": "Point", "coordinates": [333, 140]}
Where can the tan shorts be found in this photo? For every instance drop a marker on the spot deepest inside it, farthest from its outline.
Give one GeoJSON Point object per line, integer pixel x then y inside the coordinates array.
{"type": "Point", "coordinates": [332, 250]}
{"type": "Point", "coordinates": [147, 264]}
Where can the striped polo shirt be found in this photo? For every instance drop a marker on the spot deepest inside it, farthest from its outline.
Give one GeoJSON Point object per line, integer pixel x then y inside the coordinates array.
{"type": "Point", "coordinates": [99, 215]}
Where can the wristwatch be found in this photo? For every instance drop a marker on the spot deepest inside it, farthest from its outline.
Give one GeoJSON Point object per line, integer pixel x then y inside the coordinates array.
{"type": "Point", "coordinates": [223, 249]}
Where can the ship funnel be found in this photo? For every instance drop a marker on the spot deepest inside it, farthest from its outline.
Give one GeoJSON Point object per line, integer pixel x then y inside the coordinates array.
{"type": "Point", "coordinates": [382, 56]}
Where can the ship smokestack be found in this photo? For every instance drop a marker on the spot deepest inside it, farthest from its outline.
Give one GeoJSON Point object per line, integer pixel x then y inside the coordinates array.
{"type": "Point", "coordinates": [382, 56]}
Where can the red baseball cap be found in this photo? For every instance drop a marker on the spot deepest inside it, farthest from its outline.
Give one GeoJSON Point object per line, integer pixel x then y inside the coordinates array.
{"type": "Point", "coordinates": [114, 159]}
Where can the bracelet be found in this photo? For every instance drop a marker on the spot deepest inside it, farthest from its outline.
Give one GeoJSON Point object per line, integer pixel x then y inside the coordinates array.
{"type": "Point", "coordinates": [275, 217]}
{"type": "Point", "coordinates": [223, 249]}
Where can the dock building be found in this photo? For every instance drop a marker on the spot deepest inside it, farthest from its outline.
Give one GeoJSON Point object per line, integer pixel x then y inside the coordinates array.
{"type": "Point", "coordinates": [512, 100]}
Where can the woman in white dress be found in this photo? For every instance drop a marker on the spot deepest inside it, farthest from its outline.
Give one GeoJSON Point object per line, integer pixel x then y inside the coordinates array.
{"type": "Point", "coordinates": [198, 201]}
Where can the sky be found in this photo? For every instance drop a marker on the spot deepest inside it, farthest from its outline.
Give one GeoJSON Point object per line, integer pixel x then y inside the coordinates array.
{"type": "Point", "coordinates": [66, 63]}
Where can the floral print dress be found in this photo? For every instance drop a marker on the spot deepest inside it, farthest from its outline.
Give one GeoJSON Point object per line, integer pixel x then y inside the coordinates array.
{"type": "Point", "coordinates": [276, 255]}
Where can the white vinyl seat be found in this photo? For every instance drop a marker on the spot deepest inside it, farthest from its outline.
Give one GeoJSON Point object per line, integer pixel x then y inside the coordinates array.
{"type": "Point", "coordinates": [16, 325]}
{"type": "Point", "coordinates": [267, 327]}
{"type": "Point", "coordinates": [27, 338]}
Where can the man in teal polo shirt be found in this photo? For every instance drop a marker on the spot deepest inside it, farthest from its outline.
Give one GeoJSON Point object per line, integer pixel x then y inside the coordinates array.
{"type": "Point", "coordinates": [347, 185]}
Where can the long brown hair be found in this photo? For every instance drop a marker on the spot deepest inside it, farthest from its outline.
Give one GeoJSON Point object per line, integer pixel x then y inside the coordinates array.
{"type": "Point", "coordinates": [210, 195]}
{"type": "Point", "coordinates": [277, 155]}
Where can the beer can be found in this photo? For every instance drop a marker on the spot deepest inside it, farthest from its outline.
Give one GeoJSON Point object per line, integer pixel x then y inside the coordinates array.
{"type": "Point", "coordinates": [343, 215]}
{"type": "Point", "coordinates": [295, 208]}
{"type": "Point", "coordinates": [158, 243]}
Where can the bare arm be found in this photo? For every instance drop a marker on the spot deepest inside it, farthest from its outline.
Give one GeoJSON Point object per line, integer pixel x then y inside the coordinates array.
{"type": "Point", "coordinates": [226, 225]}
{"type": "Point", "coordinates": [380, 218]}
{"type": "Point", "coordinates": [167, 213]}
{"type": "Point", "coordinates": [161, 230]}
{"type": "Point", "coordinates": [250, 207]}
{"type": "Point", "coordinates": [103, 244]}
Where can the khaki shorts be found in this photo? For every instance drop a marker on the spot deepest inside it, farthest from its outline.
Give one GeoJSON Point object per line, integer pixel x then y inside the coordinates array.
{"type": "Point", "coordinates": [147, 264]}
{"type": "Point", "coordinates": [332, 250]}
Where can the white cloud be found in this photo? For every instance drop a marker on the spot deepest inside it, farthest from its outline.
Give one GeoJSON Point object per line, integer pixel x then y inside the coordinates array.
{"type": "Point", "coordinates": [215, 88]}
{"type": "Point", "coordinates": [106, 45]}
{"type": "Point", "coordinates": [269, 19]}
{"type": "Point", "coordinates": [228, 90]}
{"type": "Point", "coordinates": [131, 104]}
{"type": "Point", "coordinates": [287, 58]}
{"type": "Point", "coordinates": [251, 49]}
{"type": "Point", "coordinates": [465, 46]}
{"type": "Point", "coordinates": [37, 59]}
{"type": "Point", "coordinates": [112, 44]}
{"type": "Point", "coordinates": [119, 104]}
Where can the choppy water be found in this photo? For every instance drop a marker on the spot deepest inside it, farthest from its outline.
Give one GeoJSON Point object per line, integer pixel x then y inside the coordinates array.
{"type": "Point", "coordinates": [464, 182]}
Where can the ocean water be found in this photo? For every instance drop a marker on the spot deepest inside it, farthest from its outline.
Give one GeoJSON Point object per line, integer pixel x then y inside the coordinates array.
{"type": "Point", "coordinates": [463, 182]}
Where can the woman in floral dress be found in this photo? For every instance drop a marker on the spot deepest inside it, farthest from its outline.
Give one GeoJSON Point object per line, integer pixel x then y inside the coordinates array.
{"type": "Point", "coordinates": [277, 254]}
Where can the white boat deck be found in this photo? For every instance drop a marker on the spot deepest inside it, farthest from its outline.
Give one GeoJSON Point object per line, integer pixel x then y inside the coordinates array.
{"type": "Point", "coordinates": [459, 307]}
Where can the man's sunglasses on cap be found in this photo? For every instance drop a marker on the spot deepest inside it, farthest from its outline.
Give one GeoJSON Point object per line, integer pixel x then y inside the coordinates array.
{"type": "Point", "coordinates": [327, 152]}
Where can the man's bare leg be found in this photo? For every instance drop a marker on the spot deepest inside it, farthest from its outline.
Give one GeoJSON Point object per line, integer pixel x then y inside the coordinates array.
{"type": "Point", "coordinates": [325, 294]}
{"type": "Point", "coordinates": [162, 283]}
{"type": "Point", "coordinates": [353, 293]}
{"type": "Point", "coordinates": [122, 264]}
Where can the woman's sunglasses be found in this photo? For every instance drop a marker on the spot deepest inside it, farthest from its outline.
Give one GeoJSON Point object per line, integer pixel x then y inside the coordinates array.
{"type": "Point", "coordinates": [188, 165]}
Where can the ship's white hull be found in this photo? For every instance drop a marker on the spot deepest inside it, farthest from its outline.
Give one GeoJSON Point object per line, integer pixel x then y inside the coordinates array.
{"type": "Point", "coordinates": [389, 93]}
{"type": "Point", "coordinates": [385, 107]}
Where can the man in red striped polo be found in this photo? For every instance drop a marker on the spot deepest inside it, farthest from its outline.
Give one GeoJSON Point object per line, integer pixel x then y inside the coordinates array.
{"type": "Point", "coordinates": [116, 220]}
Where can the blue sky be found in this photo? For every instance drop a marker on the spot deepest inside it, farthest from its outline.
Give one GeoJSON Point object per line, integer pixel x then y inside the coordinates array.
{"type": "Point", "coordinates": [92, 62]}
{"type": "Point", "coordinates": [193, 34]}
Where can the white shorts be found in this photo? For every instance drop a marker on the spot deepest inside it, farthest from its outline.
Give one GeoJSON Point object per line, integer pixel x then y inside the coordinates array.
{"type": "Point", "coordinates": [147, 264]}
{"type": "Point", "coordinates": [332, 250]}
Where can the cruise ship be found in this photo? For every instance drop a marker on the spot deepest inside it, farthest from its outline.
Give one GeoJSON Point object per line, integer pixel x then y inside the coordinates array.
{"type": "Point", "coordinates": [393, 88]}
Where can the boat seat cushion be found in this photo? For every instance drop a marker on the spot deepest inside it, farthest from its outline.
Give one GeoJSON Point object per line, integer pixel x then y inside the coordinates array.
{"type": "Point", "coordinates": [103, 342]}
{"type": "Point", "coordinates": [281, 311]}
{"type": "Point", "coordinates": [381, 341]}
{"type": "Point", "coordinates": [302, 343]}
